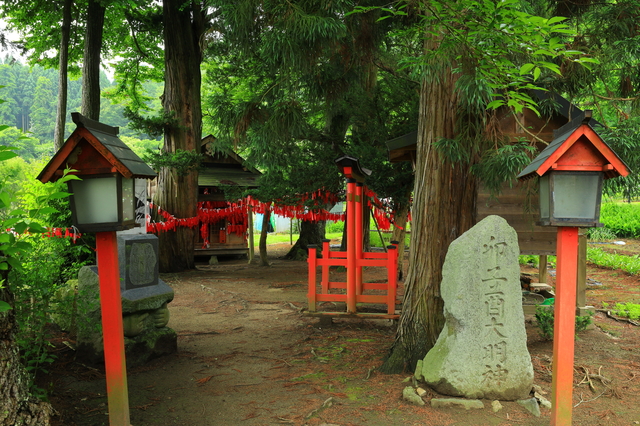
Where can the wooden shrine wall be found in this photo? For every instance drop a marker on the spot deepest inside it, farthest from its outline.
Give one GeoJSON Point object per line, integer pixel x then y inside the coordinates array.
{"type": "Point", "coordinates": [520, 210]}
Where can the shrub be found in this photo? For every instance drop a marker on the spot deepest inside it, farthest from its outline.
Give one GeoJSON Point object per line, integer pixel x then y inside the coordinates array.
{"type": "Point", "coordinates": [601, 234]}
{"type": "Point", "coordinates": [545, 319]}
{"type": "Point", "coordinates": [529, 259]}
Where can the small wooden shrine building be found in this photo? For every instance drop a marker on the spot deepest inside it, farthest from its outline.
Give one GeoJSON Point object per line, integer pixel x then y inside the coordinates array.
{"type": "Point", "coordinates": [517, 204]}
{"type": "Point", "coordinates": [220, 169]}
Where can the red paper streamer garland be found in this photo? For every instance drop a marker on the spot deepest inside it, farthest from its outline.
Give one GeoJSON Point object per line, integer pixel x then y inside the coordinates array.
{"type": "Point", "coordinates": [235, 214]}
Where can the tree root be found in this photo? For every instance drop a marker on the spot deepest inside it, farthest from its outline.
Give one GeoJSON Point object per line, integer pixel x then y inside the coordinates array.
{"type": "Point", "coordinates": [606, 382]}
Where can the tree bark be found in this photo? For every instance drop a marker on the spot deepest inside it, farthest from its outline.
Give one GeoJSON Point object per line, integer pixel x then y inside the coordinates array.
{"type": "Point", "coordinates": [17, 407]}
{"type": "Point", "coordinates": [91, 61]}
{"type": "Point", "coordinates": [262, 245]}
{"type": "Point", "coordinates": [443, 208]}
{"type": "Point", "coordinates": [400, 231]}
{"type": "Point", "coordinates": [61, 115]}
{"type": "Point", "coordinates": [177, 194]}
{"type": "Point", "coordinates": [310, 233]}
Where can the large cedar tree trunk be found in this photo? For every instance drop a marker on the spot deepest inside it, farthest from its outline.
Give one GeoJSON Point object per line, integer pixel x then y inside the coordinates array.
{"type": "Point", "coordinates": [17, 407]}
{"type": "Point", "coordinates": [310, 233]}
{"type": "Point", "coordinates": [262, 244]}
{"type": "Point", "coordinates": [176, 194]}
{"type": "Point", "coordinates": [63, 61]}
{"type": "Point", "coordinates": [91, 61]}
{"type": "Point", "coordinates": [443, 208]}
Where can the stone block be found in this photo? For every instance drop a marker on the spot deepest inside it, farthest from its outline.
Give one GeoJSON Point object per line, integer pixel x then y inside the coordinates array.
{"type": "Point", "coordinates": [467, 404]}
{"type": "Point", "coordinates": [145, 316]}
{"type": "Point", "coordinates": [138, 261]}
{"type": "Point", "coordinates": [531, 405]}
{"type": "Point", "coordinates": [482, 349]}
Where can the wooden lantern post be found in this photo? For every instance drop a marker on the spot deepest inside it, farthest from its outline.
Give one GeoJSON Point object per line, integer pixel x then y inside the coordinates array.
{"type": "Point", "coordinates": [570, 172]}
{"type": "Point", "coordinates": [103, 201]}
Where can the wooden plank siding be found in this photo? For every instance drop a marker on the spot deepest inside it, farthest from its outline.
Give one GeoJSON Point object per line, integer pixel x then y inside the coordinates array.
{"type": "Point", "coordinates": [520, 210]}
{"type": "Point", "coordinates": [518, 202]}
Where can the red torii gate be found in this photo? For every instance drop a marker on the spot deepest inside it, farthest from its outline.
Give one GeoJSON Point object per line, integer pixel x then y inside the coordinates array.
{"type": "Point", "coordinates": [353, 260]}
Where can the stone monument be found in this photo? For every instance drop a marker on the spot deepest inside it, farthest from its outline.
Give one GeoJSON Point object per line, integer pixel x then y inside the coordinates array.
{"type": "Point", "coordinates": [144, 304]}
{"type": "Point", "coordinates": [482, 349]}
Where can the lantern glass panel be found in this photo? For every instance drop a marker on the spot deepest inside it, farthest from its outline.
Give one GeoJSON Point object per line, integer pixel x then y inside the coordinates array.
{"type": "Point", "coordinates": [128, 200]}
{"type": "Point", "coordinates": [544, 197]}
{"type": "Point", "coordinates": [576, 195]}
{"type": "Point", "coordinates": [96, 200]}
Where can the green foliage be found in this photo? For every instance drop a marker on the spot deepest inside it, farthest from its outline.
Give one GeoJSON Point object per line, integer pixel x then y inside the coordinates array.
{"type": "Point", "coordinates": [545, 320]}
{"type": "Point", "coordinates": [333, 227]}
{"type": "Point", "coordinates": [503, 164]}
{"type": "Point", "coordinates": [497, 42]}
{"type": "Point", "coordinates": [374, 239]}
{"type": "Point", "coordinates": [141, 146]}
{"type": "Point", "coordinates": [529, 259]}
{"type": "Point", "coordinates": [154, 126]}
{"type": "Point", "coordinates": [291, 111]}
{"type": "Point", "coordinates": [455, 150]}
{"type": "Point", "coordinates": [27, 147]}
{"type": "Point", "coordinates": [624, 139]}
{"type": "Point", "coordinates": [181, 161]}
{"type": "Point", "coordinates": [628, 310]}
{"type": "Point", "coordinates": [601, 234]}
{"type": "Point", "coordinates": [629, 264]}
{"type": "Point", "coordinates": [623, 219]}
{"type": "Point", "coordinates": [30, 265]}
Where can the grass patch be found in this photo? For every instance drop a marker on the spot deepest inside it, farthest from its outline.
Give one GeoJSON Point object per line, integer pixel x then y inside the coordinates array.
{"type": "Point", "coordinates": [621, 218]}
{"type": "Point", "coordinates": [614, 330]}
{"type": "Point", "coordinates": [327, 354]}
{"type": "Point", "coordinates": [629, 264]}
{"type": "Point", "coordinates": [601, 234]}
{"type": "Point", "coordinates": [628, 310]}
{"type": "Point", "coordinates": [354, 393]}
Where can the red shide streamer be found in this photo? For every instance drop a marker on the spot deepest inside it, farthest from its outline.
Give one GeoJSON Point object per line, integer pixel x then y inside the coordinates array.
{"type": "Point", "coordinates": [236, 213]}
{"type": "Point", "coordinates": [72, 233]}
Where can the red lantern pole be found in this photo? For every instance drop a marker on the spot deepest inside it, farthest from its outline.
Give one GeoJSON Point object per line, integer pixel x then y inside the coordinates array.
{"type": "Point", "coordinates": [359, 235]}
{"type": "Point", "coordinates": [564, 326]}
{"type": "Point", "coordinates": [351, 246]}
{"type": "Point", "coordinates": [112, 331]}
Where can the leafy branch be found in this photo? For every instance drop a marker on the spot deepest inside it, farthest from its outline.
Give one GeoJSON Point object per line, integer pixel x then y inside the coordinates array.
{"type": "Point", "coordinates": [181, 161]}
{"type": "Point", "coordinates": [16, 222]}
{"type": "Point", "coordinates": [494, 41]}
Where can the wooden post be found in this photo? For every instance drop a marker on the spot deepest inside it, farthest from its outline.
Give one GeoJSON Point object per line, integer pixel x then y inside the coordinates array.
{"type": "Point", "coordinates": [542, 269]}
{"type": "Point", "coordinates": [392, 276]}
{"type": "Point", "coordinates": [313, 264]}
{"type": "Point", "coordinates": [359, 235]}
{"type": "Point", "coordinates": [581, 294]}
{"type": "Point", "coordinates": [250, 226]}
{"type": "Point", "coordinates": [112, 331]}
{"type": "Point", "coordinates": [325, 266]}
{"type": "Point", "coordinates": [564, 326]}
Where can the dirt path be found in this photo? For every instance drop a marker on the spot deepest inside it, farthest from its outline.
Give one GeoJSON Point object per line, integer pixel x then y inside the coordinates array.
{"type": "Point", "coordinates": [247, 356]}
